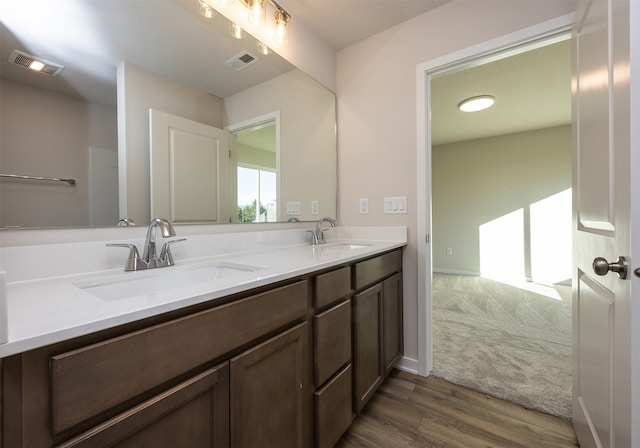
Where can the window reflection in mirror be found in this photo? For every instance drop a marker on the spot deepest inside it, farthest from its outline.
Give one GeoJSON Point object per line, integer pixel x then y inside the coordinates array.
{"type": "Point", "coordinates": [256, 148]}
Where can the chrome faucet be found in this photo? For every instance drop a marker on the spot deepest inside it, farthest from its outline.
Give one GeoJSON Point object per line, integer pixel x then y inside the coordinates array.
{"type": "Point", "coordinates": [317, 235]}
{"type": "Point", "coordinates": [149, 256]}
{"type": "Point", "coordinates": [150, 259]}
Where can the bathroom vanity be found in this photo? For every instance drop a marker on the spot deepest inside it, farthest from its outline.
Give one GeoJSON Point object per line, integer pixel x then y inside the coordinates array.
{"type": "Point", "coordinates": [286, 355]}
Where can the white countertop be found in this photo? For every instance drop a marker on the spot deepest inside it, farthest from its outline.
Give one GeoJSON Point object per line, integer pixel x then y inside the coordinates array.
{"type": "Point", "coordinates": [44, 311]}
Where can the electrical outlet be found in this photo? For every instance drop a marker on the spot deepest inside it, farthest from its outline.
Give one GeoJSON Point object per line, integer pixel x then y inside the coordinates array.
{"type": "Point", "coordinates": [293, 208]}
{"type": "Point", "coordinates": [314, 207]}
{"type": "Point", "coordinates": [364, 206]}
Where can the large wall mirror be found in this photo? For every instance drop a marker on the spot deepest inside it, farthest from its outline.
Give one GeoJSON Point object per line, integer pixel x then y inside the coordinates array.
{"type": "Point", "coordinates": [151, 109]}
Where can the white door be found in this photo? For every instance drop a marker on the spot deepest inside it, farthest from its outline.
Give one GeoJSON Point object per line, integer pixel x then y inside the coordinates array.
{"type": "Point", "coordinates": [191, 170]}
{"type": "Point", "coordinates": [603, 315]}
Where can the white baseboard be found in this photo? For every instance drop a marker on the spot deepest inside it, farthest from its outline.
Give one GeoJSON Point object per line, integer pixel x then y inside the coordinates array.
{"type": "Point", "coordinates": [409, 365]}
{"type": "Point", "coordinates": [455, 272]}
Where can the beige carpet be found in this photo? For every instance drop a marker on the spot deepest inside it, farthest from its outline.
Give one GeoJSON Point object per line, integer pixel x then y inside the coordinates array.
{"type": "Point", "coordinates": [504, 341]}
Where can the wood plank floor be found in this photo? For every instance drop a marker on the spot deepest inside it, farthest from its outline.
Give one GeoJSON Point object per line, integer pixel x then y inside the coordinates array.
{"type": "Point", "coordinates": [413, 411]}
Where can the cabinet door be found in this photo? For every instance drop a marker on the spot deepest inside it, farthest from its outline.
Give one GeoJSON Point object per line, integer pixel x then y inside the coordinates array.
{"type": "Point", "coordinates": [367, 350]}
{"type": "Point", "coordinates": [392, 333]}
{"type": "Point", "coordinates": [270, 403]}
{"type": "Point", "coordinates": [194, 413]}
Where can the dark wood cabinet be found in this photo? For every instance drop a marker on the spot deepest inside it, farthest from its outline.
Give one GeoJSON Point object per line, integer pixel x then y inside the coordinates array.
{"type": "Point", "coordinates": [377, 323]}
{"type": "Point", "coordinates": [269, 390]}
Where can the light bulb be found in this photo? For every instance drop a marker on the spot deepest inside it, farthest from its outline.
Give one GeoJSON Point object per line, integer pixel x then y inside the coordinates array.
{"type": "Point", "coordinates": [36, 65]}
{"type": "Point", "coordinates": [257, 13]}
{"type": "Point", "coordinates": [281, 35]}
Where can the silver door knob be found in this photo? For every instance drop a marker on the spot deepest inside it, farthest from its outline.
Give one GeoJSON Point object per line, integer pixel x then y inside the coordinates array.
{"type": "Point", "coordinates": [601, 266]}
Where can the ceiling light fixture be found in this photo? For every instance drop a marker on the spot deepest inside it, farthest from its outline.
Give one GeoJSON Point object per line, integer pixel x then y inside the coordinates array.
{"type": "Point", "coordinates": [35, 63]}
{"type": "Point", "coordinates": [477, 103]}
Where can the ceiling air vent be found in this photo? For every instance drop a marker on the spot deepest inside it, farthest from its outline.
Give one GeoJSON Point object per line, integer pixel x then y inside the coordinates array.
{"type": "Point", "coordinates": [242, 61]}
{"type": "Point", "coordinates": [25, 60]}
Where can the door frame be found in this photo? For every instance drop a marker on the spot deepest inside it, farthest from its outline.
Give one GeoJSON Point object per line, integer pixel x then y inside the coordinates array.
{"type": "Point", "coordinates": [424, 72]}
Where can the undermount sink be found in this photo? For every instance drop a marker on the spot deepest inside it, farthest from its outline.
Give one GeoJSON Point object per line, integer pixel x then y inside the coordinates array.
{"type": "Point", "coordinates": [162, 279]}
{"type": "Point", "coordinates": [346, 246]}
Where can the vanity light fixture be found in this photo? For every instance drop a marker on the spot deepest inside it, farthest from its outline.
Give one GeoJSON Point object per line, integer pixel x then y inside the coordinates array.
{"type": "Point", "coordinates": [476, 103]}
{"type": "Point", "coordinates": [258, 16]}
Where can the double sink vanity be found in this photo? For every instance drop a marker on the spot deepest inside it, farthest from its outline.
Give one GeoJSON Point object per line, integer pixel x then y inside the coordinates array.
{"type": "Point", "coordinates": [249, 339]}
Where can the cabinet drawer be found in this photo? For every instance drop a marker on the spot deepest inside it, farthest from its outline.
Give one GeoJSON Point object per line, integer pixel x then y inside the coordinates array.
{"type": "Point", "coordinates": [333, 412]}
{"type": "Point", "coordinates": [331, 287]}
{"type": "Point", "coordinates": [370, 271]}
{"type": "Point", "coordinates": [332, 341]}
{"type": "Point", "coordinates": [193, 413]}
{"type": "Point", "coordinates": [91, 380]}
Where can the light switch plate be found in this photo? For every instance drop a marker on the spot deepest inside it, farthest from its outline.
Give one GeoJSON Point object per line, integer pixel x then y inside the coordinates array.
{"type": "Point", "coordinates": [395, 205]}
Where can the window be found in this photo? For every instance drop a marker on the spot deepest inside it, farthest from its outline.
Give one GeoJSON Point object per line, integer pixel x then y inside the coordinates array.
{"type": "Point", "coordinates": [256, 195]}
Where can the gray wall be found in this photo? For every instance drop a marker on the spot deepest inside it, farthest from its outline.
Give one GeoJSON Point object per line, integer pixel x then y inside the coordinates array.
{"type": "Point", "coordinates": [49, 135]}
{"type": "Point", "coordinates": [477, 181]}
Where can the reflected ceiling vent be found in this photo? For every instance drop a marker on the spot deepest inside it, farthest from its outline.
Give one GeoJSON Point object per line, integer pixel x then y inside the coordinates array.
{"type": "Point", "coordinates": [242, 61]}
{"type": "Point", "coordinates": [34, 63]}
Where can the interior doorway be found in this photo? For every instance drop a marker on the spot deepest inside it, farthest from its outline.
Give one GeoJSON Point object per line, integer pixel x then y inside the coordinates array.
{"type": "Point", "coordinates": [256, 156]}
{"type": "Point", "coordinates": [536, 37]}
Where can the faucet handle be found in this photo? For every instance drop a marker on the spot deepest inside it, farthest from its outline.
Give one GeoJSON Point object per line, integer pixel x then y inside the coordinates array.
{"type": "Point", "coordinates": [314, 237]}
{"type": "Point", "coordinates": [133, 262]}
{"type": "Point", "coordinates": [165, 253]}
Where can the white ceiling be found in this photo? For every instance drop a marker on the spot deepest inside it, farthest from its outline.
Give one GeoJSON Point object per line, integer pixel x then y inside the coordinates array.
{"type": "Point", "coordinates": [532, 91]}
{"type": "Point", "coordinates": [341, 23]}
